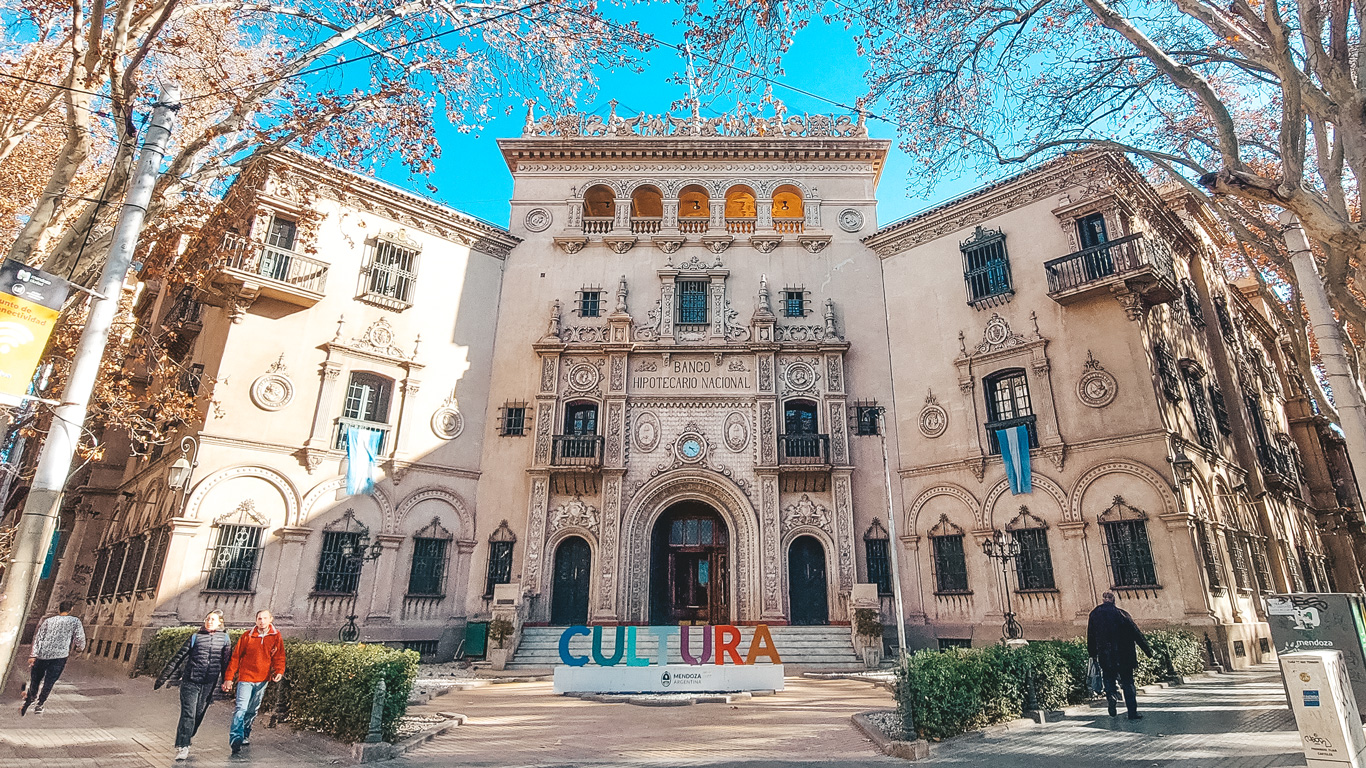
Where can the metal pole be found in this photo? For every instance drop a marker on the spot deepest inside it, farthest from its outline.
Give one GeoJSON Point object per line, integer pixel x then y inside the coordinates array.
{"type": "Point", "coordinates": [43, 504]}
{"type": "Point", "coordinates": [1347, 394]}
{"type": "Point", "coordinates": [895, 542]}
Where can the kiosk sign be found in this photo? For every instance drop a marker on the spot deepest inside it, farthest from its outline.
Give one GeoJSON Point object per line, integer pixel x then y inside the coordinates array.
{"type": "Point", "coordinates": [30, 300]}
{"type": "Point", "coordinates": [712, 660]}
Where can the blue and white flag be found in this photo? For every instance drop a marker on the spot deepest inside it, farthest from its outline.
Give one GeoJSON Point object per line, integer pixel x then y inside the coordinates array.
{"type": "Point", "coordinates": [1014, 442]}
{"type": "Point", "coordinates": [362, 459]}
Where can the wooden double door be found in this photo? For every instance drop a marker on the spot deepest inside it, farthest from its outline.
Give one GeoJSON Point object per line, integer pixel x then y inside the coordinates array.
{"type": "Point", "coordinates": [690, 567]}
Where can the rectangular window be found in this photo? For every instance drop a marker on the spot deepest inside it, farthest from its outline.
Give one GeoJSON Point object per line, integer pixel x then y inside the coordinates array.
{"type": "Point", "coordinates": [155, 560]}
{"type": "Point", "coordinates": [692, 302]}
{"type": "Point", "coordinates": [1131, 557]}
{"type": "Point", "coordinates": [590, 303]}
{"type": "Point", "coordinates": [1034, 564]}
{"type": "Point", "coordinates": [1237, 553]}
{"type": "Point", "coordinates": [428, 573]}
{"type": "Point", "coordinates": [1204, 425]}
{"type": "Point", "coordinates": [986, 268]}
{"type": "Point", "coordinates": [868, 420]}
{"type": "Point", "coordinates": [279, 250]}
{"type": "Point", "coordinates": [97, 576]}
{"type": "Point", "coordinates": [1166, 369]}
{"type": "Point", "coordinates": [132, 564]}
{"type": "Point", "coordinates": [794, 303]}
{"type": "Point", "coordinates": [500, 566]}
{"type": "Point", "coordinates": [949, 643]}
{"type": "Point", "coordinates": [281, 233]}
{"type": "Point", "coordinates": [111, 576]}
{"type": "Point", "coordinates": [367, 398]}
{"type": "Point", "coordinates": [950, 565]}
{"type": "Point", "coordinates": [1261, 568]}
{"type": "Point", "coordinates": [1210, 555]}
{"type": "Point", "coordinates": [513, 422]}
{"type": "Point", "coordinates": [1220, 408]}
{"type": "Point", "coordinates": [1193, 308]}
{"type": "Point", "coordinates": [338, 574]}
{"type": "Point", "coordinates": [1008, 405]}
{"type": "Point", "coordinates": [393, 271]}
{"type": "Point", "coordinates": [879, 565]}
{"type": "Point", "coordinates": [233, 559]}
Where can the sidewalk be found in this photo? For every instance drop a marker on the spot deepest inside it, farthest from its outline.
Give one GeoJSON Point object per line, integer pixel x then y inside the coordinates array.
{"type": "Point", "coordinates": [97, 718]}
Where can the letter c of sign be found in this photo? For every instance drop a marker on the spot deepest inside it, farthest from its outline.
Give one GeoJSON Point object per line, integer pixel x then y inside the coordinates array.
{"type": "Point", "coordinates": [565, 655]}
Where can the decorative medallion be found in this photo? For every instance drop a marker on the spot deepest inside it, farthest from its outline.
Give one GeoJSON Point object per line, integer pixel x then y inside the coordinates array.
{"type": "Point", "coordinates": [447, 423]}
{"type": "Point", "coordinates": [583, 377]}
{"type": "Point", "coordinates": [1096, 387]}
{"type": "Point", "coordinates": [538, 220]}
{"type": "Point", "coordinates": [379, 337]}
{"type": "Point", "coordinates": [851, 220]}
{"type": "Point", "coordinates": [647, 432]}
{"type": "Point", "coordinates": [737, 432]}
{"type": "Point", "coordinates": [574, 513]}
{"type": "Point", "coordinates": [800, 376]}
{"type": "Point", "coordinates": [273, 390]}
{"type": "Point", "coordinates": [933, 418]}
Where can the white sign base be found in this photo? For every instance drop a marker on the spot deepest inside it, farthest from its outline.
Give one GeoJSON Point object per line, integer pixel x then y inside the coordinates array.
{"type": "Point", "coordinates": [673, 678]}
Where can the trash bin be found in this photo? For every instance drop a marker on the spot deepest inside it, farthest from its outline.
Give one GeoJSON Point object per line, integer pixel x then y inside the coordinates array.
{"type": "Point", "coordinates": [1325, 709]}
{"type": "Point", "coordinates": [1316, 621]}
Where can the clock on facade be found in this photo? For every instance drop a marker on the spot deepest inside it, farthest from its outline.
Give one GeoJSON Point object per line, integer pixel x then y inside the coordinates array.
{"type": "Point", "coordinates": [691, 448]}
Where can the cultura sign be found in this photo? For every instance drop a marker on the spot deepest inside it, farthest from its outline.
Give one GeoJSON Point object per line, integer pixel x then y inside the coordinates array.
{"type": "Point", "coordinates": [712, 644]}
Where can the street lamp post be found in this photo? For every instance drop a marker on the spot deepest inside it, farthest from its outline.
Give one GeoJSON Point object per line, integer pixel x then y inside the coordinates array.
{"type": "Point", "coordinates": [1004, 548]}
{"type": "Point", "coordinates": [357, 552]}
{"type": "Point", "coordinates": [178, 478]}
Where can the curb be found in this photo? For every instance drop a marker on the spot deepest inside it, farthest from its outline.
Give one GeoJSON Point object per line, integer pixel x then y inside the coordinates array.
{"type": "Point", "coordinates": [906, 750]}
{"type": "Point", "coordinates": [374, 753]}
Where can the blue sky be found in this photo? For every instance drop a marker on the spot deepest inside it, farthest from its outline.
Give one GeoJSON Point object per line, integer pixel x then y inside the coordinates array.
{"type": "Point", "coordinates": [823, 61]}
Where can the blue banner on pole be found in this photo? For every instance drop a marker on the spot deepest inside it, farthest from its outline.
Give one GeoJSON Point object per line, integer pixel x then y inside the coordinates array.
{"type": "Point", "coordinates": [362, 458]}
{"type": "Point", "coordinates": [1014, 442]}
{"type": "Point", "coordinates": [51, 555]}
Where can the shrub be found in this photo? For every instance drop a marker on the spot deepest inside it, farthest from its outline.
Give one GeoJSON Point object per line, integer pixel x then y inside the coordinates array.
{"type": "Point", "coordinates": [500, 629]}
{"type": "Point", "coordinates": [1186, 651]}
{"type": "Point", "coordinates": [867, 623]}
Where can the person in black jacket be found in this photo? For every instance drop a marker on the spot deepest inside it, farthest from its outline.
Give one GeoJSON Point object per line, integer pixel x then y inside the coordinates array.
{"type": "Point", "coordinates": [205, 656]}
{"type": "Point", "coordinates": [1110, 638]}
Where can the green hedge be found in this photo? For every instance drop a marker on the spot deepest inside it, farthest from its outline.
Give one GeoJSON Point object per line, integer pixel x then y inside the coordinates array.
{"type": "Point", "coordinates": [327, 686]}
{"type": "Point", "coordinates": [945, 693]}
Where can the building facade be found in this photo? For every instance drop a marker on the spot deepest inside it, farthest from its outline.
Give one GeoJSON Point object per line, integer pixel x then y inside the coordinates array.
{"type": "Point", "coordinates": [693, 382]}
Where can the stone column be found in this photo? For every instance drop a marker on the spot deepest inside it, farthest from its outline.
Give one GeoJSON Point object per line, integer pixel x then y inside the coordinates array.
{"type": "Point", "coordinates": [717, 300]}
{"type": "Point", "coordinates": [763, 214]}
{"type": "Point", "coordinates": [535, 541]}
{"type": "Point", "coordinates": [841, 479]}
{"type": "Point", "coordinates": [605, 607]}
{"type": "Point", "coordinates": [770, 544]}
{"type": "Point", "coordinates": [290, 583]}
{"type": "Point", "coordinates": [320, 436]}
{"type": "Point", "coordinates": [666, 305]}
{"type": "Point", "coordinates": [388, 579]}
{"type": "Point", "coordinates": [180, 574]}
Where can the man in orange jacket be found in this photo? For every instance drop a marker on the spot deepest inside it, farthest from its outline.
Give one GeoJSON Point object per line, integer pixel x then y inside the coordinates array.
{"type": "Point", "coordinates": [258, 659]}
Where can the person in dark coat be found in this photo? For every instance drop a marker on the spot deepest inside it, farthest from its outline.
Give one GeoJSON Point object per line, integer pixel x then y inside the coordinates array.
{"type": "Point", "coordinates": [1111, 635]}
{"type": "Point", "coordinates": [205, 657]}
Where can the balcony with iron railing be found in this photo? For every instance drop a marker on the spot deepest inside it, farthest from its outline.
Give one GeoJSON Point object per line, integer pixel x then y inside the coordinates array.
{"type": "Point", "coordinates": [1139, 263]}
{"type": "Point", "coordinates": [277, 273]}
{"type": "Point", "coordinates": [804, 450]}
{"type": "Point", "coordinates": [1278, 468]}
{"type": "Point", "coordinates": [344, 424]}
{"type": "Point", "coordinates": [576, 451]}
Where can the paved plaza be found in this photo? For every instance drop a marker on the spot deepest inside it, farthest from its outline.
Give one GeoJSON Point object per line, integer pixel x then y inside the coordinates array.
{"type": "Point", "coordinates": [1230, 721]}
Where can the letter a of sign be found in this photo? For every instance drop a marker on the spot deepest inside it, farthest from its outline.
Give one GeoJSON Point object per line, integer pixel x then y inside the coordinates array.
{"type": "Point", "coordinates": [762, 645]}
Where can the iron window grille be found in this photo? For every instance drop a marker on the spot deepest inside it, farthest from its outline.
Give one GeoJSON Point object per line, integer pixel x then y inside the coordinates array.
{"type": "Point", "coordinates": [692, 302]}
{"type": "Point", "coordinates": [1237, 543]}
{"type": "Point", "coordinates": [1220, 407]}
{"type": "Point", "coordinates": [1225, 320]}
{"type": "Point", "coordinates": [1166, 370]}
{"type": "Point", "coordinates": [499, 571]}
{"type": "Point", "coordinates": [428, 574]}
{"type": "Point", "coordinates": [191, 380]}
{"type": "Point", "coordinates": [1261, 567]}
{"type": "Point", "coordinates": [867, 418]}
{"type": "Point", "coordinates": [1209, 554]}
{"type": "Point", "coordinates": [422, 647]}
{"type": "Point", "coordinates": [1193, 309]}
{"type": "Point", "coordinates": [338, 574]}
{"type": "Point", "coordinates": [92, 592]}
{"type": "Point", "coordinates": [876, 548]}
{"type": "Point", "coordinates": [155, 560]}
{"type": "Point", "coordinates": [1131, 557]}
{"type": "Point", "coordinates": [234, 558]}
{"type": "Point", "coordinates": [590, 302]}
{"type": "Point", "coordinates": [794, 303]}
{"type": "Point", "coordinates": [950, 643]}
{"type": "Point", "coordinates": [1008, 405]}
{"type": "Point", "coordinates": [393, 271]}
{"type": "Point", "coordinates": [986, 268]}
{"type": "Point", "coordinates": [1034, 564]}
{"type": "Point", "coordinates": [1195, 393]}
{"type": "Point", "coordinates": [950, 565]}
{"type": "Point", "coordinates": [110, 584]}
{"type": "Point", "coordinates": [512, 421]}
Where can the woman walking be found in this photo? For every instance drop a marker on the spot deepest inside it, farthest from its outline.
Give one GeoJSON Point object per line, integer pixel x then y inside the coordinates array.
{"type": "Point", "coordinates": [205, 656]}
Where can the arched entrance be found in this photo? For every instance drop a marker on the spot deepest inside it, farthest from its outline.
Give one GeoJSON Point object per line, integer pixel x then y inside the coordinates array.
{"type": "Point", "coordinates": [690, 566]}
{"type": "Point", "coordinates": [806, 585]}
{"type": "Point", "coordinates": [569, 591]}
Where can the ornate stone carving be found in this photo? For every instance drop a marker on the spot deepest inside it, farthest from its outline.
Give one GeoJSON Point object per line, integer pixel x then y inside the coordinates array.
{"type": "Point", "coordinates": [766, 426]}
{"type": "Point", "coordinates": [814, 244]}
{"type": "Point", "coordinates": [804, 333]}
{"type": "Point", "coordinates": [647, 365]}
{"type": "Point", "coordinates": [737, 432]}
{"type": "Point", "coordinates": [800, 376]}
{"type": "Point", "coordinates": [548, 373]}
{"type": "Point", "coordinates": [805, 512]}
{"type": "Point", "coordinates": [833, 375]}
{"type": "Point", "coordinates": [933, 418]}
{"type": "Point", "coordinates": [574, 512]}
{"type": "Point", "coordinates": [531, 570]}
{"type": "Point", "coordinates": [620, 245]}
{"type": "Point", "coordinates": [611, 521]}
{"type": "Point", "coordinates": [1096, 387]}
{"type": "Point", "coordinates": [769, 496]}
{"type": "Point", "coordinates": [717, 245]}
{"type": "Point", "coordinates": [851, 220]}
{"type": "Point", "coordinates": [538, 220]}
{"type": "Point", "coordinates": [668, 244]}
{"type": "Point", "coordinates": [998, 336]}
{"type": "Point", "coordinates": [618, 373]}
{"type": "Point", "coordinates": [845, 515]}
{"type": "Point", "coordinates": [765, 244]}
{"type": "Point", "coordinates": [448, 422]}
{"type": "Point", "coordinates": [737, 365]}
{"type": "Point", "coordinates": [273, 389]}
{"type": "Point", "coordinates": [647, 432]}
{"type": "Point", "coordinates": [765, 374]}
{"type": "Point", "coordinates": [583, 376]}
{"type": "Point", "coordinates": [379, 338]}
{"type": "Point", "coordinates": [243, 514]}
{"type": "Point", "coordinates": [579, 125]}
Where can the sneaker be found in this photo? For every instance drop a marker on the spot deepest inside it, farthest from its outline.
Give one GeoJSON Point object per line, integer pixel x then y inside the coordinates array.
{"type": "Point", "coordinates": [183, 753]}
{"type": "Point", "coordinates": [246, 742]}
{"type": "Point", "coordinates": [1114, 712]}
{"type": "Point", "coordinates": [23, 708]}
{"type": "Point", "coordinates": [236, 747]}
{"type": "Point", "coordinates": [38, 708]}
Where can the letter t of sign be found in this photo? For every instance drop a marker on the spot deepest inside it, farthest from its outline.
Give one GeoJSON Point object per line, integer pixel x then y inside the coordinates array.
{"type": "Point", "coordinates": [662, 635]}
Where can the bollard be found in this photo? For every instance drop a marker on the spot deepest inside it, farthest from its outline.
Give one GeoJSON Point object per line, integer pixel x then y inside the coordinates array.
{"type": "Point", "coordinates": [1213, 660]}
{"type": "Point", "coordinates": [376, 734]}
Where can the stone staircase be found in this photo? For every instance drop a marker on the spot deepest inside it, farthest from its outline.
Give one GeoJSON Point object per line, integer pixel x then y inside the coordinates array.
{"type": "Point", "coordinates": [803, 648]}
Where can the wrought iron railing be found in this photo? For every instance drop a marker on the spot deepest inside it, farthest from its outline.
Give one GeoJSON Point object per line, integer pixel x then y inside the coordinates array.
{"type": "Point", "coordinates": [576, 451]}
{"type": "Point", "coordinates": [1275, 461]}
{"type": "Point", "coordinates": [1117, 257]}
{"type": "Point", "coordinates": [804, 449]}
{"type": "Point", "coordinates": [993, 427]}
{"type": "Point", "coordinates": [272, 262]}
{"type": "Point", "coordinates": [646, 225]}
{"type": "Point", "coordinates": [597, 225]}
{"type": "Point", "coordinates": [343, 424]}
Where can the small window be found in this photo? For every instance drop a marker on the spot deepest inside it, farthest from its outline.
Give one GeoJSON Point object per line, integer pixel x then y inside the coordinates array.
{"type": "Point", "coordinates": [950, 564]}
{"type": "Point", "coordinates": [1200, 411]}
{"type": "Point", "coordinates": [986, 268]}
{"type": "Point", "coordinates": [282, 233]}
{"type": "Point", "coordinates": [393, 271]}
{"type": "Point", "coordinates": [233, 559]}
{"type": "Point", "coordinates": [794, 303]}
{"type": "Point", "coordinates": [1236, 542]}
{"type": "Point", "coordinates": [581, 419]}
{"type": "Point", "coordinates": [512, 420]}
{"type": "Point", "coordinates": [692, 302]}
{"type": "Point", "coordinates": [1225, 320]}
{"type": "Point", "coordinates": [427, 576]}
{"type": "Point", "coordinates": [1193, 309]}
{"type": "Point", "coordinates": [367, 398]}
{"type": "Point", "coordinates": [338, 572]}
{"type": "Point", "coordinates": [1210, 555]}
{"type": "Point", "coordinates": [1092, 231]}
{"type": "Point", "coordinates": [1008, 405]}
{"type": "Point", "coordinates": [867, 420]}
{"type": "Point", "coordinates": [590, 303]}
{"type": "Point", "coordinates": [875, 546]}
{"type": "Point", "coordinates": [1166, 370]}
{"type": "Point", "coordinates": [501, 542]}
{"type": "Point", "coordinates": [1220, 408]}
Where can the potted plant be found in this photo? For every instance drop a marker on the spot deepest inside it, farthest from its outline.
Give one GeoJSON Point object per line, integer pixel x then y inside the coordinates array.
{"type": "Point", "coordinates": [868, 628]}
{"type": "Point", "coordinates": [500, 629]}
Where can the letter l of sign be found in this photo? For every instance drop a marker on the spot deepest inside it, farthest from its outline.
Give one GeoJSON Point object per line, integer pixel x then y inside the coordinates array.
{"type": "Point", "coordinates": [631, 659]}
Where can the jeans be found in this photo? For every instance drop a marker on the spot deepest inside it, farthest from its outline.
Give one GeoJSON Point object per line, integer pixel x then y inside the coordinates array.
{"type": "Point", "coordinates": [1125, 678]}
{"type": "Point", "coordinates": [44, 675]}
{"type": "Point", "coordinates": [194, 702]}
{"type": "Point", "coordinates": [248, 701]}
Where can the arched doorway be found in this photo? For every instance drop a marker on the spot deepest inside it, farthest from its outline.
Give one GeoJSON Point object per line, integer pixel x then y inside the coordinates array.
{"type": "Point", "coordinates": [690, 566]}
{"type": "Point", "coordinates": [569, 592]}
{"type": "Point", "coordinates": [806, 587]}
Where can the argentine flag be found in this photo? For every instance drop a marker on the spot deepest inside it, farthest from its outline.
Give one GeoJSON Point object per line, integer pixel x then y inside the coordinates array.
{"type": "Point", "coordinates": [1014, 442]}
{"type": "Point", "coordinates": [362, 459]}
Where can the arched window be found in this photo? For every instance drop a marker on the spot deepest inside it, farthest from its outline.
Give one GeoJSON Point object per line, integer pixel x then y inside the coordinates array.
{"type": "Point", "coordinates": [1034, 564]}
{"type": "Point", "coordinates": [1008, 405]}
{"type": "Point", "coordinates": [694, 209]}
{"type": "Point", "coordinates": [427, 574]}
{"type": "Point", "coordinates": [740, 209]}
{"type": "Point", "coordinates": [875, 545]}
{"type": "Point", "coordinates": [1125, 531]}
{"type": "Point", "coordinates": [599, 201]}
{"type": "Point", "coordinates": [501, 542]}
{"type": "Point", "coordinates": [788, 212]}
{"type": "Point", "coordinates": [950, 560]}
{"type": "Point", "coordinates": [647, 210]}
